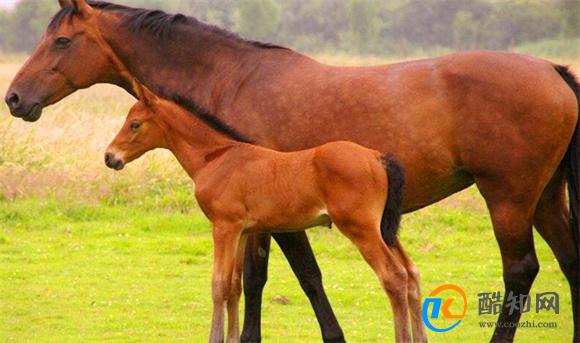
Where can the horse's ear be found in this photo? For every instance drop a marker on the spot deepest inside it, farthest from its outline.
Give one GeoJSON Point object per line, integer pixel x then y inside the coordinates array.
{"type": "Point", "coordinates": [64, 3]}
{"type": "Point", "coordinates": [143, 93]}
{"type": "Point", "coordinates": [80, 7]}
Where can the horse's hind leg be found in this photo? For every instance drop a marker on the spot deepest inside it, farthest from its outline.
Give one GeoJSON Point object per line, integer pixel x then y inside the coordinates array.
{"type": "Point", "coordinates": [552, 222]}
{"type": "Point", "coordinates": [391, 273]}
{"type": "Point", "coordinates": [414, 294]}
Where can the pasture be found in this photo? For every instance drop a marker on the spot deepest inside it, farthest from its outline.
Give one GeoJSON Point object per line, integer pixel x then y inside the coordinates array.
{"type": "Point", "coordinates": [88, 254]}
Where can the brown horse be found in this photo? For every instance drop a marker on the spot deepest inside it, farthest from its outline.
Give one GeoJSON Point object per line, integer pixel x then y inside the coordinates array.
{"type": "Point", "coordinates": [243, 189]}
{"type": "Point", "coordinates": [501, 120]}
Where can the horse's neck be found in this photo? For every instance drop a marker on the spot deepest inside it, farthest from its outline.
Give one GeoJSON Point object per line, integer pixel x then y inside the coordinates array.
{"type": "Point", "coordinates": [195, 65]}
{"type": "Point", "coordinates": [192, 141]}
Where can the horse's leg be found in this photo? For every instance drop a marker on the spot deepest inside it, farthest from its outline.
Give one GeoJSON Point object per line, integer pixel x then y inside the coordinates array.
{"type": "Point", "coordinates": [512, 217]}
{"type": "Point", "coordinates": [225, 238]}
{"type": "Point", "coordinates": [390, 271]}
{"type": "Point", "coordinates": [255, 276]}
{"type": "Point", "coordinates": [298, 252]}
{"type": "Point", "coordinates": [552, 222]}
{"type": "Point", "coordinates": [414, 294]}
{"type": "Point", "coordinates": [235, 292]}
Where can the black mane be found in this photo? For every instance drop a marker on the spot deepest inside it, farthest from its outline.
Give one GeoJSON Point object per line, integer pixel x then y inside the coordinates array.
{"type": "Point", "coordinates": [208, 118]}
{"type": "Point", "coordinates": [161, 25]}
{"type": "Point", "coordinates": [157, 22]}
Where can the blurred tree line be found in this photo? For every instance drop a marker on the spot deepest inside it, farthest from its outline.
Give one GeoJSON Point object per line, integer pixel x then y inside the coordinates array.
{"type": "Point", "coordinates": [395, 27]}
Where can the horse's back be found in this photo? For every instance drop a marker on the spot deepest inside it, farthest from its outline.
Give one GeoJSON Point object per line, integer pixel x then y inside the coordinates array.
{"type": "Point", "coordinates": [445, 118]}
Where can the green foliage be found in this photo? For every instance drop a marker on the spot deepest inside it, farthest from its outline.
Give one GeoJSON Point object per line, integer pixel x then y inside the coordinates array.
{"type": "Point", "coordinates": [25, 25]}
{"type": "Point", "coordinates": [512, 23]}
{"type": "Point", "coordinates": [464, 30]}
{"type": "Point", "coordinates": [258, 19]}
{"type": "Point", "coordinates": [395, 27]}
{"type": "Point", "coordinates": [313, 25]}
{"type": "Point", "coordinates": [570, 16]}
{"type": "Point", "coordinates": [364, 23]}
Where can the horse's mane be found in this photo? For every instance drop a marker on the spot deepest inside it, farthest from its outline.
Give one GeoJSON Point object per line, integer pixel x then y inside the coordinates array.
{"type": "Point", "coordinates": [157, 22]}
{"type": "Point", "coordinates": [161, 25]}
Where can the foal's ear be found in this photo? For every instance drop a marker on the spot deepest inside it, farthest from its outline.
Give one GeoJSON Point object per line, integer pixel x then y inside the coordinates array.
{"type": "Point", "coordinates": [80, 6]}
{"type": "Point", "coordinates": [144, 94]}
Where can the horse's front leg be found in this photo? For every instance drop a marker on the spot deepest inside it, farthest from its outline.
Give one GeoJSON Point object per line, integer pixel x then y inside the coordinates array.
{"type": "Point", "coordinates": [235, 292]}
{"type": "Point", "coordinates": [225, 238]}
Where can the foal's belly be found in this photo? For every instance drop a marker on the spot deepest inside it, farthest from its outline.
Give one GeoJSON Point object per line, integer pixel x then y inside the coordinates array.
{"type": "Point", "coordinates": [281, 222]}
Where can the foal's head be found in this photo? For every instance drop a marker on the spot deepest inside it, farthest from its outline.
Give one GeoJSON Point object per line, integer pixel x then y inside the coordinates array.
{"type": "Point", "coordinates": [143, 130]}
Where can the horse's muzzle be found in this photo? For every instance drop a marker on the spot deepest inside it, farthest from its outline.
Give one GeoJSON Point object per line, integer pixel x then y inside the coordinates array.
{"type": "Point", "coordinates": [19, 108]}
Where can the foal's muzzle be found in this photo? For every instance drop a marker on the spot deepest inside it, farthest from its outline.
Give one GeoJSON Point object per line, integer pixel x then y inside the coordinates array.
{"type": "Point", "coordinates": [113, 162]}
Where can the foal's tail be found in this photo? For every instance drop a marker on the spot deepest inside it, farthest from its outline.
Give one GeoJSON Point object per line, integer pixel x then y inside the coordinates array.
{"type": "Point", "coordinates": [572, 160]}
{"type": "Point", "coordinates": [394, 206]}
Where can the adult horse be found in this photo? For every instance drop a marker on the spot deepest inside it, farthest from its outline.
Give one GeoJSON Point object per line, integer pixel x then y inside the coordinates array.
{"type": "Point", "coordinates": [507, 122]}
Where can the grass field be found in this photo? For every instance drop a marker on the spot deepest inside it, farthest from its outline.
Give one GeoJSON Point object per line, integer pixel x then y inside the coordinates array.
{"type": "Point", "coordinates": [88, 254]}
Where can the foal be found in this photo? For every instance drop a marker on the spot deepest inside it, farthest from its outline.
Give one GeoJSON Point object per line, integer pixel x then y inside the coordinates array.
{"type": "Point", "coordinates": [243, 188]}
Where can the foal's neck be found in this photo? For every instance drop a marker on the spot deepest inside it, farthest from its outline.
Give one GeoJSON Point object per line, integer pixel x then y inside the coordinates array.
{"type": "Point", "coordinates": [193, 142]}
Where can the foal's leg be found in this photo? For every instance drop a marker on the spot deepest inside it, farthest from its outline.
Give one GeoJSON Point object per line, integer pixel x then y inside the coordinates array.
{"type": "Point", "coordinates": [390, 271]}
{"type": "Point", "coordinates": [235, 291]}
{"type": "Point", "coordinates": [552, 222]}
{"type": "Point", "coordinates": [225, 238]}
{"type": "Point", "coordinates": [414, 294]}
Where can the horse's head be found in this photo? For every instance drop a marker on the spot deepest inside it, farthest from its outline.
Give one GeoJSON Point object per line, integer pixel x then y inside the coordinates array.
{"type": "Point", "coordinates": [71, 55]}
{"type": "Point", "coordinates": [143, 130]}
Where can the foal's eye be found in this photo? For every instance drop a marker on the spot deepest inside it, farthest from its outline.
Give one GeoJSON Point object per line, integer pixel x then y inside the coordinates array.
{"type": "Point", "coordinates": [135, 125]}
{"type": "Point", "coordinates": [62, 42]}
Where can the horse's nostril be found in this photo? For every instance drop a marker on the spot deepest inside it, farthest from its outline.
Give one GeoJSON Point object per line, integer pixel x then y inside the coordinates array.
{"type": "Point", "coordinates": [108, 158]}
{"type": "Point", "coordinates": [13, 100]}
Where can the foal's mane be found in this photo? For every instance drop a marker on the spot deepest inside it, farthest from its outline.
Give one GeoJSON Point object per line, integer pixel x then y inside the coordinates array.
{"type": "Point", "coordinates": [158, 23]}
{"type": "Point", "coordinates": [210, 119]}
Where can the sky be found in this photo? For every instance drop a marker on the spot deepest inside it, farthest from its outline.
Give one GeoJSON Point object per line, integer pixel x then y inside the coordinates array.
{"type": "Point", "coordinates": [7, 4]}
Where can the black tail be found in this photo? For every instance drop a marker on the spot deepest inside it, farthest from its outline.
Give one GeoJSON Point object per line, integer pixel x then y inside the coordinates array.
{"type": "Point", "coordinates": [572, 162]}
{"type": "Point", "coordinates": [394, 206]}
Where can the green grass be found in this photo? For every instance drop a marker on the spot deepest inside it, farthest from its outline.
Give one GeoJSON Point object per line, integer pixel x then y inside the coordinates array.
{"type": "Point", "coordinates": [88, 254]}
{"type": "Point", "coordinates": [73, 272]}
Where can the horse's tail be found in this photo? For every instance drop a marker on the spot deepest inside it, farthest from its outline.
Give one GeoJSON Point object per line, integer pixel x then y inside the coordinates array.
{"type": "Point", "coordinates": [572, 160]}
{"type": "Point", "coordinates": [394, 206]}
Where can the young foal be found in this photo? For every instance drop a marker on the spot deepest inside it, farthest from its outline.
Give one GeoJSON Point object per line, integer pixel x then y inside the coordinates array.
{"type": "Point", "coordinates": [243, 188]}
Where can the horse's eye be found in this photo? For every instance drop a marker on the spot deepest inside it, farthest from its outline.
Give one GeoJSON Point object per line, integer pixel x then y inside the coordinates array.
{"type": "Point", "coordinates": [135, 125]}
{"type": "Point", "coordinates": [62, 42]}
